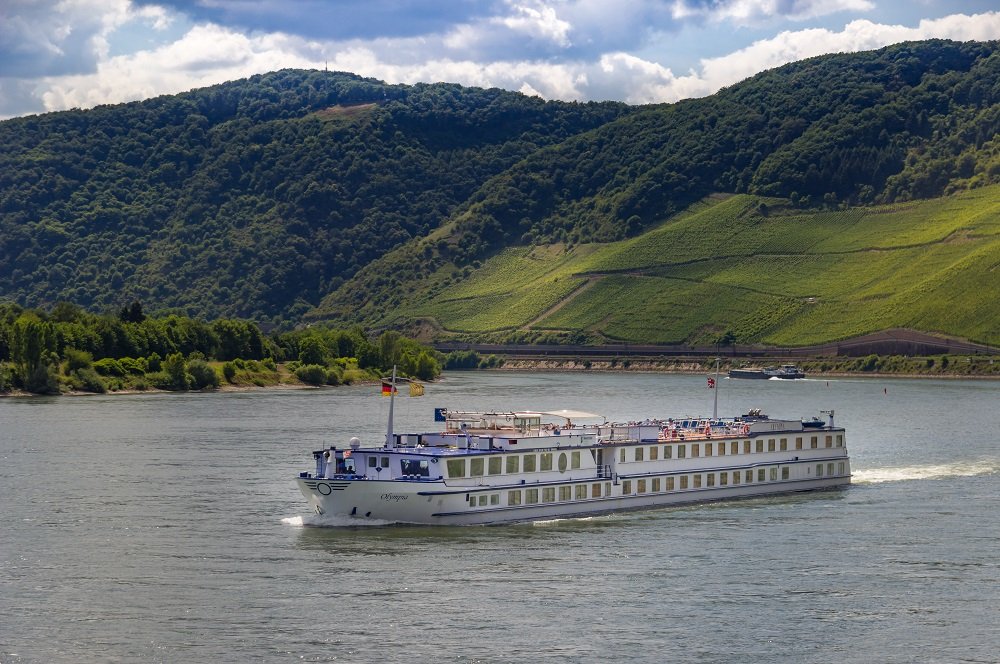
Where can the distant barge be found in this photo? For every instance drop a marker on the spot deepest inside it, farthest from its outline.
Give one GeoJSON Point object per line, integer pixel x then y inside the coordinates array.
{"type": "Point", "coordinates": [786, 371]}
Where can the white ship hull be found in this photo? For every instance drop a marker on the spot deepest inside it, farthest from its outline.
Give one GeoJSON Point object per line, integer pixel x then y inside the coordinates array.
{"type": "Point", "coordinates": [436, 503]}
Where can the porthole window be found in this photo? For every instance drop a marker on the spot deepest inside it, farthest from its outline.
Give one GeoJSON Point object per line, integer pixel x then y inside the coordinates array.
{"type": "Point", "coordinates": [563, 462]}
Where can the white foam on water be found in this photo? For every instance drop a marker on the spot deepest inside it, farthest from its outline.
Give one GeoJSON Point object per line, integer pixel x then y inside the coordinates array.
{"type": "Point", "coordinates": [960, 469]}
{"type": "Point", "coordinates": [332, 521]}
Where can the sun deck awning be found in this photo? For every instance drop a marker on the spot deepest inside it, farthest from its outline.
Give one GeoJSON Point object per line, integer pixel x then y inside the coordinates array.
{"type": "Point", "coordinates": [573, 414]}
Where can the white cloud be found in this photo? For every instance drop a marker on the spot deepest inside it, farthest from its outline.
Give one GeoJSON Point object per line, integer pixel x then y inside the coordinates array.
{"type": "Point", "coordinates": [208, 54]}
{"type": "Point", "coordinates": [536, 20]}
{"type": "Point", "coordinates": [860, 35]}
{"type": "Point", "coordinates": [743, 12]}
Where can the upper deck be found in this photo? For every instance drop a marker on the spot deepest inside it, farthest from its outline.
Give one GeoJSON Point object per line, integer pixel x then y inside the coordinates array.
{"type": "Point", "coordinates": [524, 446]}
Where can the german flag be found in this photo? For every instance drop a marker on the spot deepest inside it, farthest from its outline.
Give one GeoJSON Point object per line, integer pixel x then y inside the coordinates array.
{"type": "Point", "coordinates": [388, 389]}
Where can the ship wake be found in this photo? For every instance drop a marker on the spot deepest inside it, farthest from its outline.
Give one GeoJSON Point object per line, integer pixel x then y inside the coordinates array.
{"type": "Point", "coordinates": [937, 472]}
{"type": "Point", "coordinates": [332, 521]}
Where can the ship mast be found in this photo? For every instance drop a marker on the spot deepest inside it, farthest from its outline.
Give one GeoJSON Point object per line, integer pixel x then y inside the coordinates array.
{"type": "Point", "coordinates": [389, 439]}
{"type": "Point", "coordinates": [715, 405]}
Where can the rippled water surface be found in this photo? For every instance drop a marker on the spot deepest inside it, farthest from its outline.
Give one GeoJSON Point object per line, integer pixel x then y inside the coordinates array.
{"type": "Point", "coordinates": [168, 528]}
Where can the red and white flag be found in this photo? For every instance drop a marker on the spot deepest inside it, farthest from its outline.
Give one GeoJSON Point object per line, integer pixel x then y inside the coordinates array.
{"type": "Point", "coordinates": [711, 383]}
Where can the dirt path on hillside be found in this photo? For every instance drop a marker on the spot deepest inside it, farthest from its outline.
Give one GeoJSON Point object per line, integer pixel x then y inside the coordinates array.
{"type": "Point", "coordinates": [586, 285]}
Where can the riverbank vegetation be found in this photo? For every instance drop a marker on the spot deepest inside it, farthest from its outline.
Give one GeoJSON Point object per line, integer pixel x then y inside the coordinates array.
{"type": "Point", "coordinates": [67, 349]}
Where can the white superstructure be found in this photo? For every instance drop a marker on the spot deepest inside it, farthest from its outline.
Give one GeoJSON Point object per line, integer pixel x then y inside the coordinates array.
{"type": "Point", "coordinates": [485, 468]}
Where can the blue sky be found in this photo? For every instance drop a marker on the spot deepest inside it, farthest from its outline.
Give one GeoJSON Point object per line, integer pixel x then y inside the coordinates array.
{"type": "Point", "coordinates": [59, 54]}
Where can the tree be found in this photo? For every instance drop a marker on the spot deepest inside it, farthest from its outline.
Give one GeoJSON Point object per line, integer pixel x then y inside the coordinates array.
{"type": "Point", "coordinates": [312, 350]}
{"type": "Point", "coordinates": [132, 313]}
{"type": "Point", "coordinates": [176, 370]}
{"type": "Point", "coordinates": [32, 351]}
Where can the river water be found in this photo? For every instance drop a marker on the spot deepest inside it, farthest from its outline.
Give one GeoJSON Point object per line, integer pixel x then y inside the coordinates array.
{"type": "Point", "coordinates": [167, 528]}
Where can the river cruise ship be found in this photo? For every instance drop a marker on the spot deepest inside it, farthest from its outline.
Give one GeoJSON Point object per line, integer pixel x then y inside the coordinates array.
{"type": "Point", "coordinates": [501, 467]}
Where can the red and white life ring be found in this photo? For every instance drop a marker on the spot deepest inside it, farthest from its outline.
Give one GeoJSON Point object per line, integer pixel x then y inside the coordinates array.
{"type": "Point", "coordinates": [746, 429]}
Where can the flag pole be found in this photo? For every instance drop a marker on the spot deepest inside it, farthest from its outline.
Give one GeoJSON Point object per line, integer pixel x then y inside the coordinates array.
{"type": "Point", "coordinates": [715, 406]}
{"type": "Point", "coordinates": [392, 398]}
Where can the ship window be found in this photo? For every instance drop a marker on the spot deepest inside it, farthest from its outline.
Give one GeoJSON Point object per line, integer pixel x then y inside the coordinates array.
{"type": "Point", "coordinates": [723, 479]}
{"type": "Point", "coordinates": [415, 467]}
{"type": "Point", "coordinates": [760, 475]}
{"type": "Point", "coordinates": [530, 496]}
{"type": "Point", "coordinates": [482, 500]}
{"type": "Point", "coordinates": [607, 488]}
{"type": "Point", "coordinates": [829, 441]}
{"type": "Point", "coordinates": [697, 481]}
{"type": "Point", "coordinates": [736, 477]}
{"type": "Point", "coordinates": [654, 453]}
{"type": "Point", "coordinates": [595, 490]}
{"type": "Point", "coordinates": [748, 477]}
{"type": "Point", "coordinates": [667, 451]}
{"type": "Point", "coordinates": [514, 497]}
{"type": "Point", "coordinates": [656, 485]}
{"type": "Point", "coordinates": [472, 501]}
{"type": "Point", "coordinates": [696, 450]}
{"type": "Point", "coordinates": [372, 462]}
{"type": "Point", "coordinates": [708, 449]}
{"type": "Point", "coordinates": [813, 442]}
{"type": "Point", "coordinates": [798, 442]}
{"type": "Point", "coordinates": [495, 499]}
{"type": "Point", "coordinates": [774, 474]}
{"type": "Point", "coordinates": [680, 451]}
{"type": "Point", "coordinates": [385, 462]}
{"type": "Point", "coordinates": [840, 440]}
{"type": "Point", "coordinates": [456, 467]}
{"type": "Point", "coordinates": [819, 470]}
{"type": "Point", "coordinates": [563, 462]}
{"type": "Point", "coordinates": [621, 455]}
{"type": "Point", "coordinates": [549, 494]}
{"type": "Point", "coordinates": [638, 454]}
{"type": "Point", "coordinates": [722, 449]}
{"type": "Point", "coordinates": [784, 444]}
{"type": "Point", "coordinates": [513, 463]}
{"type": "Point", "coordinates": [574, 460]}
{"type": "Point", "coordinates": [760, 445]}
{"type": "Point", "coordinates": [545, 461]}
{"type": "Point", "coordinates": [770, 444]}
{"type": "Point", "coordinates": [829, 469]}
{"type": "Point", "coordinates": [746, 447]}
{"type": "Point", "coordinates": [684, 482]}
{"type": "Point", "coordinates": [565, 492]}
{"type": "Point", "coordinates": [496, 465]}
{"type": "Point", "coordinates": [627, 487]}
{"type": "Point", "coordinates": [581, 492]}
{"type": "Point", "coordinates": [476, 467]}
{"type": "Point", "coordinates": [641, 486]}
{"type": "Point", "coordinates": [670, 484]}
{"type": "Point", "coordinates": [529, 463]}
{"type": "Point", "coordinates": [710, 479]}
{"type": "Point", "coordinates": [784, 472]}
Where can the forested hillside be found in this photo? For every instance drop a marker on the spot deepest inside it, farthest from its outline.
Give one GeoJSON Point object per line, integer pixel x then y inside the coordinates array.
{"type": "Point", "coordinates": [266, 197]}
{"type": "Point", "coordinates": [908, 122]}
{"type": "Point", "coordinates": [251, 198]}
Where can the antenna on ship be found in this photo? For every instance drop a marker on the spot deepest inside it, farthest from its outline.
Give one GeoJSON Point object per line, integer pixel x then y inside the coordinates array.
{"type": "Point", "coordinates": [389, 439]}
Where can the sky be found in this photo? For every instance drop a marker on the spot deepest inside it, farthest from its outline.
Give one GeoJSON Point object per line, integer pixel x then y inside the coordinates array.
{"type": "Point", "coordinates": [61, 54]}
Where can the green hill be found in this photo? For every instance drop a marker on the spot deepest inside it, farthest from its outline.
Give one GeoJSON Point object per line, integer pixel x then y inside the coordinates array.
{"type": "Point", "coordinates": [753, 266]}
{"type": "Point", "coordinates": [305, 196]}
{"type": "Point", "coordinates": [843, 132]}
{"type": "Point", "coordinates": [253, 198]}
